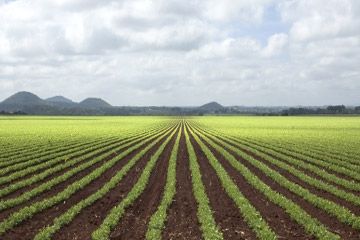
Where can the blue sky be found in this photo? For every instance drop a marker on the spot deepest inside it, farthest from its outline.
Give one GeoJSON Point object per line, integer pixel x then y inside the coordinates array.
{"type": "Point", "coordinates": [172, 52]}
{"type": "Point", "coordinates": [270, 24]}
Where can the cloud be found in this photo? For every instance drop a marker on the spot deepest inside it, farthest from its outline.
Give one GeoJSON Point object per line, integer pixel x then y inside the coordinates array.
{"type": "Point", "coordinates": [236, 10]}
{"type": "Point", "coordinates": [276, 44]}
{"type": "Point", "coordinates": [316, 19]}
{"type": "Point", "coordinates": [173, 52]}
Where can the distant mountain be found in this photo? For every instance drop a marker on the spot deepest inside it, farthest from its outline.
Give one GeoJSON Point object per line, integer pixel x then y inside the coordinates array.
{"type": "Point", "coordinates": [23, 98]}
{"type": "Point", "coordinates": [61, 102]}
{"type": "Point", "coordinates": [28, 103]}
{"type": "Point", "coordinates": [59, 99]}
{"type": "Point", "coordinates": [94, 103]}
{"type": "Point", "coordinates": [212, 106]}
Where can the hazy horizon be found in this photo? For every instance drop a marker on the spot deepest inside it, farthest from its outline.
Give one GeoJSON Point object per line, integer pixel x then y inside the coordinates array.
{"type": "Point", "coordinates": [175, 53]}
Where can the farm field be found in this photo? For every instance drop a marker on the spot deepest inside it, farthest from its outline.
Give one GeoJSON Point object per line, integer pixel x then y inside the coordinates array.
{"type": "Point", "coordinates": [209, 177]}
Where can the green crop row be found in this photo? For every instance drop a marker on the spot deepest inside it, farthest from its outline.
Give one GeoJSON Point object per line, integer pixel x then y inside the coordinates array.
{"type": "Point", "coordinates": [325, 150]}
{"type": "Point", "coordinates": [341, 213]}
{"type": "Point", "coordinates": [157, 220]}
{"type": "Point", "coordinates": [305, 153]}
{"type": "Point", "coordinates": [48, 164]}
{"type": "Point", "coordinates": [59, 150]}
{"type": "Point", "coordinates": [102, 151]}
{"type": "Point", "coordinates": [24, 150]}
{"type": "Point", "coordinates": [61, 154]}
{"type": "Point", "coordinates": [33, 155]}
{"type": "Point", "coordinates": [54, 139]}
{"type": "Point", "coordinates": [28, 211]}
{"type": "Point", "coordinates": [49, 184]}
{"type": "Point", "coordinates": [250, 214]}
{"type": "Point", "coordinates": [115, 214]}
{"type": "Point", "coordinates": [351, 185]}
{"type": "Point", "coordinates": [58, 147]}
{"type": "Point", "coordinates": [311, 225]}
{"type": "Point", "coordinates": [69, 215]}
{"type": "Point", "coordinates": [266, 154]}
{"type": "Point", "coordinates": [209, 228]}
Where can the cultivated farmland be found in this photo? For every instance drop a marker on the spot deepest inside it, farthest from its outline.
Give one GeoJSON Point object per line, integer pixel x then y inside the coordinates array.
{"type": "Point", "coordinates": [180, 178]}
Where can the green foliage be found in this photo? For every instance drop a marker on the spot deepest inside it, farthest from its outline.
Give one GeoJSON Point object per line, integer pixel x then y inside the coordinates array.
{"type": "Point", "coordinates": [114, 216]}
{"type": "Point", "coordinates": [157, 220]}
{"type": "Point", "coordinates": [250, 214]}
{"type": "Point", "coordinates": [343, 214]}
{"type": "Point", "coordinates": [310, 224]}
{"type": "Point", "coordinates": [207, 223]}
{"type": "Point", "coordinates": [26, 212]}
{"type": "Point", "coordinates": [49, 184]}
{"type": "Point", "coordinates": [322, 152]}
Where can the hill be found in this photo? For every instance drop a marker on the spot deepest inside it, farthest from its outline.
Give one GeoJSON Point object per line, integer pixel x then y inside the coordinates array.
{"type": "Point", "coordinates": [23, 98]}
{"type": "Point", "coordinates": [61, 102]}
{"type": "Point", "coordinates": [29, 103]}
{"type": "Point", "coordinates": [25, 102]}
{"type": "Point", "coordinates": [59, 99]}
{"type": "Point", "coordinates": [94, 103]}
{"type": "Point", "coordinates": [212, 106]}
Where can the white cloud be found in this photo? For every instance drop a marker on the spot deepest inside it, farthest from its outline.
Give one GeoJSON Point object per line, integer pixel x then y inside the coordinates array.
{"type": "Point", "coordinates": [276, 44]}
{"type": "Point", "coordinates": [177, 52]}
{"type": "Point", "coordinates": [228, 48]}
{"type": "Point", "coordinates": [239, 10]}
{"type": "Point", "coordinates": [317, 19]}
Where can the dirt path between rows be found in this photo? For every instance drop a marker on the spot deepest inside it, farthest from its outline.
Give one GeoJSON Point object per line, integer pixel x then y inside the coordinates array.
{"type": "Point", "coordinates": [312, 189]}
{"type": "Point", "coordinates": [59, 173]}
{"type": "Point", "coordinates": [333, 224]}
{"type": "Point", "coordinates": [133, 225]}
{"type": "Point", "coordinates": [324, 194]}
{"type": "Point", "coordinates": [83, 146]}
{"type": "Point", "coordinates": [227, 215]}
{"type": "Point", "coordinates": [28, 228]}
{"type": "Point", "coordinates": [182, 222]}
{"type": "Point", "coordinates": [278, 220]}
{"type": "Point", "coordinates": [338, 174]}
{"type": "Point", "coordinates": [57, 188]}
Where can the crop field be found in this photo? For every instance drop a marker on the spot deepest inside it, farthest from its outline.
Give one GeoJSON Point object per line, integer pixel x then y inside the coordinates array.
{"type": "Point", "coordinates": [209, 177]}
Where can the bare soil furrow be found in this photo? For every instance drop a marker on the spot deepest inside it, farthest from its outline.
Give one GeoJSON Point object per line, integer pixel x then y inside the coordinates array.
{"type": "Point", "coordinates": [133, 224]}
{"type": "Point", "coordinates": [226, 213]}
{"type": "Point", "coordinates": [27, 229]}
{"type": "Point", "coordinates": [182, 222]}
{"type": "Point", "coordinates": [52, 176]}
{"type": "Point", "coordinates": [274, 215]}
{"type": "Point", "coordinates": [333, 224]}
{"type": "Point", "coordinates": [312, 189]}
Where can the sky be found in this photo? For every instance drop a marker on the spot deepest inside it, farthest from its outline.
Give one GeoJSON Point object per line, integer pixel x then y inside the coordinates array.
{"type": "Point", "coordinates": [183, 53]}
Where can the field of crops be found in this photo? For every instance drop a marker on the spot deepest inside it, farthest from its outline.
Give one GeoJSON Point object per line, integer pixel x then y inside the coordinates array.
{"type": "Point", "coordinates": [179, 178]}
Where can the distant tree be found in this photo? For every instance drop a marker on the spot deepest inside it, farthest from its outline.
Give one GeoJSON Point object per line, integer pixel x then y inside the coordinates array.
{"type": "Point", "coordinates": [336, 109]}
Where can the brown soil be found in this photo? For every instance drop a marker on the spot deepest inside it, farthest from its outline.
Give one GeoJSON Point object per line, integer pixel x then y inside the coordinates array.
{"type": "Point", "coordinates": [227, 215]}
{"type": "Point", "coordinates": [55, 189]}
{"type": "Point", "coordinates": [44, 169]}
{"type": "Point", "coordinates": [44, 154]}
{"type": "Point", "coordinates": [28, 228]}
{"type": "Point", "coordinates": [313, 175]}
{"type": "Point", "coordinates": [340, 175]}
{"type": "Point", "coordinates": [312, 189]}
{"type": "Point", "coordinates": [182, 222]}
{"type": "Point", "coordinates": [275, 216]}
{"type": "Point", "coordinates": [133, 225]}
{"type": "Point", "coordinates": [34, 185]}
{"type": "Point", "coordinates": [333, 224]}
